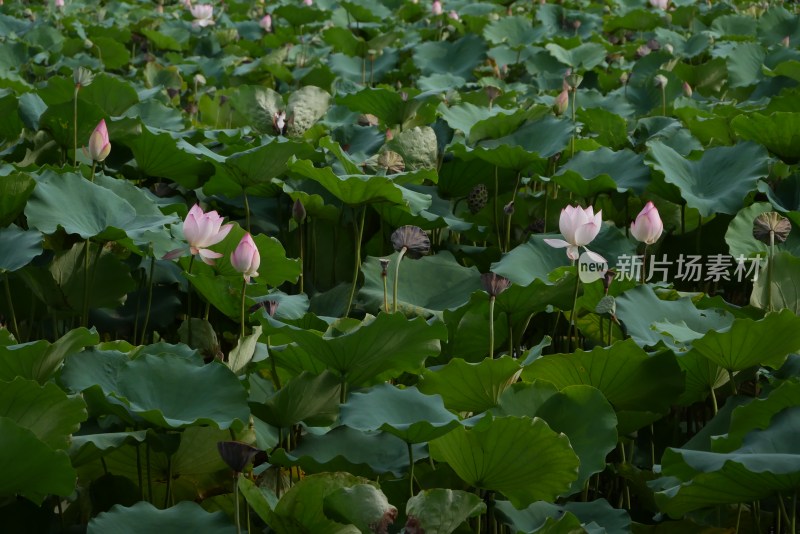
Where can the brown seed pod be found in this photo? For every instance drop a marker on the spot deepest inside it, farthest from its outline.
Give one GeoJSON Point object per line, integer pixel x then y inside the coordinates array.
{"type": "Point", "coordinates": [477, 198]}
{"type": "Point", "coordinates": [413, 239]}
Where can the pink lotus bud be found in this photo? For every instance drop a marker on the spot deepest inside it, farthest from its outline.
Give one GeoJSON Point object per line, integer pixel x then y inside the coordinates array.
{"type": "Point", "coordinates": [562, 102]}
{"type": "Point", "coordinates": [59, 3]}
{"type": "Point", "coordinates": [660, 4]}
{"type": "Point", "coordinates": [453, 15]}
{"type": "Point", "coordinates": [436, 8]}
{"type": "Point", "coordinates": [579, 227]}
{"type": "Point", "coordinates": [99, 145]}
{"type": "Point", "coordinates": [687, 90]}
{"type": "Point", "coordinates": [246, 259]}
{"type": "Point", "coordinates": [786, 41]}
{"type": "Point", "coordinates": [647, 227]}
{"type": "Point", "coordinates": [266, 23]}
{"type": "Point", "coordinates": [203, 15]}
{"type": "Point", "coordinates": [308, 2]}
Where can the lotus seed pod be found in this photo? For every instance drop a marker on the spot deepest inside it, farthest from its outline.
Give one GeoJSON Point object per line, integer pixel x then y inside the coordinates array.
{"type": "Point", "coordinates": [477, 198]}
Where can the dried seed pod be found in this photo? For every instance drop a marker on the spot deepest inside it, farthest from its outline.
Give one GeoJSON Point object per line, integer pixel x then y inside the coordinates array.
{"type": "Point", "coordinates": [236, 454]}
{"type": "Point", "coordinates": [391, 161]}
{"type": "Point", "coordinates": [771, 222]}
{"type": "Point", "coordinates": [494, 284]}
{"type": "Point", "coordinates": [413, 239]}
{"type": "Point", "coordinates": [477, 198]}
{"type": "Point", "coordinates": [368, 119]}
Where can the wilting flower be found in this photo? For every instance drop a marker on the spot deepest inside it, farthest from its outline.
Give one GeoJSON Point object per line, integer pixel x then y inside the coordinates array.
{"type": "Point", "coordinates": [279, 122]}
{"type": "Point", "coordinates": [203, 15]}
{"type": "Point", "coordinates": [436, 8]}
{"type": "Point", "coordinates": [413, 239]}
{"type": "Point", "coordinates": [266, 23]}
{"type": "Point", "coordinates": [201, 231]}
{"type": "Point", "coordinates": [494, 284]}
{"type": "Point", "coordinates": [647, 227]}
{"type": "Point", "coordinates": [236, 454]}
{"type": "Point", "coordinates": [99, 145]}
{"type": "Point", "coordinates": [771, 223]}
{"type": "Point", "coordinates": [579, 227]}
{"type": "Point", "coordinates": [246, 259]}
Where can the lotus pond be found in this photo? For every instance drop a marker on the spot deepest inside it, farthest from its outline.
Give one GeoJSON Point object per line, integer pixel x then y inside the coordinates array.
{"type": "Point", "coordinates": [353, 266]}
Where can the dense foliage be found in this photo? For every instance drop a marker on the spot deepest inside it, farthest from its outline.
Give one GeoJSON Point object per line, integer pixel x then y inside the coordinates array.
{"type": "Point", "coordinates": [326, 266]}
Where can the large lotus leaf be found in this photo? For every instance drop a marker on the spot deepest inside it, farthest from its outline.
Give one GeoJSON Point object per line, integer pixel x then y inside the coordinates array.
{"type": "Point", "coordinates": [301, 509]}
{"type": "Point", "coordinates": [144, 517]}
{"type": "Point", "coordinates": [647, 318]}
{"type": "Point", "coordinates": [418, 146]}
{"type": "Point", "coordinates": [580, 412]}
{"type": "Point", "coordinates": [19, 247]}
{"type": "Point", "coordinates": [784, 286]}
{"type": "Point", "coordinates": [350, 189]}
{"type": "Point", "coordinates": [306, 106]}
{"type": "Point", "coordinates": [58, 120]}
{"type": "Point", "coordinates": [308, 398]}
{"type": "Point", "coordinates": [602, 170]}
{"type": "Point", "coordinates": [408, 414]}
{"type": "Point", "coordinates": [767, 463]}
{"type": "Point", "coordinates": [44, 410]}
{"type": "Point", "coordinates": [481, 122]}
{"type": "Point", "coordinates": [148, 214]}
{"type": "Point", "coordinates": [76, 205]}
{"type": "Point", "coordinates": [468, 330]}
{"type": "Point", "coordinates": [14, 192]}
{"type": "Point", "coordinates": [543, 467]}
{"type": "Point", "coordinates": [534, 517]}
{"type": "Point", "coordinates": [161, 156]}
{"type": "Point", "coordinates": [351, 68]}
{"type": "Point", "coordinates": [718, 181]}
{"type": "Point", "coordinates": [779, 132]}
{"type": "Point", "coordinates": [442, 511]}
{"type": "Point", "coordinates": [741, 241]}
{"type": "Point", "coordinates": [40, 359]}
{"type": "Point", "coordinates": [113, 95]}
{"type": "Point", "coordinates": [384, 103]}
{"type": "Point", "coordinates": [445, 57]}
{"type": "Point", "coordinates": [365, 11]}
{"type": "Point", "coordinates": [583, 57]}
{"type": "Point", "coordinates": [747, 342]}
{"type": "Point", "coordinates": [256, 106]}
{"type": "Point", "coordinates": [88, 448]}
{"type": "Point", "coordinates": [701, 376]}
{"type": "Point", "coordinates": [470, 387]}
{"type": "Point", "coordinates": [31, 468]}
{"type": "Point", "coordinates": [362, 505]}
{"type": "Point", "coordinates": [346, 449]}
{"type": "Point", "coordinates": [376, 351]}
{"type": "Point", "coordinates": [520, 303]}
{"type": "Point", "coordinates": [429, 284]}
{"type": "Point", "coordinates": [516, 32]}
{"type": "Point", "coordinates": [545, 137]}
{"type": "Point", "coordinates": [639, 386]}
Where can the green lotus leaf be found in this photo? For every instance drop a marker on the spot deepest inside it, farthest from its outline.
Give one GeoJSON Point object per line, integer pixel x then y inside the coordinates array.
{"type": "Point", "coordinates": [670, 132]}
{"type": "Point", "coordinates": [12, 126]}
{"type": "Point", "coordinates": [88, 448]}
{"type": "Point", "coordinates": [408, 414]}
{"type": "Point", "coordinates": [144, 517]}
{"type": "Point", "coordinates": [297, 15]}
{"type": "Point", "coordinates": [745, 62]}
{"type": "Point", "coordinates": [741, 241]}
{"type": "Point", "coordinates": [15, 189]}
{"type": "Point", "coordinates": [352, 68]}
{"type": "Point", "coordinates": [470, 387]}
{"type": "Point", "coordinates": [516, 32]}
{"type": "Point", "coordinates": [93, 209]}
{"type": "Point", "coordinates": [734, 25]}
{"type": "Point", "coordinates": [602, 170]}
{"type": "Point", "coordinates": [442, 511]}
{"type": "Point", "coordinates": [58, 120]}
{"type": "Point", "coordinates": [545, 137]}
{"type": "Point", "coordinates": [113, 95]}
{"type": "Point", "coordinates": [362, 505]}
{"type": "Point", "coordinates": [30, 467]}
{"type": "Point", "coordinates": [350, 189]}
{"type": "Point", "coordinates": [365, 11]}
{"type": "Point", "coordinates": [583, 57]}
{"type": "Point", "coordinates": [581, 412]}
{"type": "Point", "coordinates": [169, 36]}
{"type": "Point", "coordinates": [311, 399]}
{"type": "Point", "coordinates": [747, 342]}
{"type": "Point", "coordinates": [479, 123]}
{"type": "Point", "coordinates": [702, 375]}
{"type": "Point", "coordinates": [718, 181]}
{"type": "Point", "coordinates": [346, 449]}
{"type": "Point", "coordinates": [606, 127]}
{"type": "Point", "coordinates": [19, 247]}
{"type": "Point", "coordinates": [417, 146]}
{"type": "Point", "coordinates": [779, 132]}
{"type": "Point", "coordinates": [374, 352]}
{"type": "Point", "coordinates": [784, 286]}
{"type": "Point", "coordinates": [39, 360]}
{"type": "Point", "coordinates": [428, 285]}
{"type": "Point", "coordinates": [767, 463]}
{"type": "Point", "coordinates": [480, 456]}
{"type": "Point", "coordinates": [385, 104]}
{"type": "Point", "coordinates": [534, 518]}
{"type": "Point", "coordinates": [458, 58]}
{"type": "Point", "coordinates": [640, 387]}
{"type": "Point", "coordinates": [468, 329]}
{"type": "Point", "coordinates": [634, 19]}
{"type": "Point", "coordinates": [44, 410]}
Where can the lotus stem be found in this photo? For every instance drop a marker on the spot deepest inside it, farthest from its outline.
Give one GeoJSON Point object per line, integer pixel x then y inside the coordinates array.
{"type": "Point", "coordinates": [738, 517]}
{"type": "Point", "coordinates": [236, 502]}
{"type": "Point", "coordinates": [85, 314]}
{"type": "Point", "coordinates": [139, 470]}
{"type": "Point", "coordinates": [149, 296]}
{"type": "Point", "coordinates": [385, 294]}
{"type": "Point", "coordinates": [494, 206]}
{"type": "Point", "coordinates": [664, 100]}
{"type": "Point", "coordinates": [794, 512]}
{"type": "Point", "coordinates": [644, 265]}
{"type": "Point", "coordinates": [574, 124]}
{"type": "Point", "coordinates": [769, 268]}
{"type": "Point", "coordinates": [276, 381]}
{"type": "Point", "coordinates": [491, 327]}
{"type": "Point", "coordinates": [714, 401]}
{"type": "Point", "coordinates": [784, 513]}
{"type": "Point", "coordinates": [169, 481]}
{"type": "Point", "coordinates": [733, 382]}
{"type": "Point", "coordinates": [301, 229]}
{"type": "Point", "coordinates": [189, 301]}
{"type": "Point", "coordinates": [573, 329]}
{"type": "Point", "coordinates": [149, 477]}
{"type": "Point", "coordinates": [410, 470]}
{"type": "Point", "coordinates": [75, 126]}
{"type": "Point", "coordinates": [396, 278]}
{"type": "Point", "coordinates": [246, 210]}
{"type": "Point", "coordinates": [356, 269]}
{"type": "Point", "coordinates": [241, 317]}
{"type": "Point", "coordinates": [11, 307]}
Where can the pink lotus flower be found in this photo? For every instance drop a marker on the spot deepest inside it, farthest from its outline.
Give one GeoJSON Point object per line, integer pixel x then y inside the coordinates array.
{"type": "Point", "coordinates": [266, 23]}
{"type": "Point", "coordinates": [246, 259]}
{"type": "Point", "coordinates": [308, 2]}
{"type": "Point", "coordinates": [202, 230]}
{"type": "Point", "coordinates": [660, 4]}
{"type": "Point", "coordinates": [453, 15]}
{"type": "Point", "coordinates": [579, 227]}
{"type": "Point", "coordinates": [203, 15]}
{"type": "Point", "coordinates": [562, 101]}
{"type": "Point", "coordinates": [99, 145]}
{"type": "Point", "coordinates": [436, 8]}
{"type": "Point", "coordinates": [647, 227]}
{"type": "Point", "coordinates": [59, 3]}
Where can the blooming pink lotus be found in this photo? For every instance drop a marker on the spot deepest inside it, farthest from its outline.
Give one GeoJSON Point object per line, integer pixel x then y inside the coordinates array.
{"type": "Point", "coordinates": [246, 259]}
{"type": "Point", "coordinates": [647, 227]}
{"type": "Point", "coordinates": [203, 15]}
{"type": "Point", "coordinates": [579, 227]}
{"type": "Point", "coordinates": [59, 3]}
{"type": "Point", "coordinates": [99, 145]}
{"type": "Point", "coordinates": [266, 23]}
{"type": "Point", "coordinates": [202, 230]}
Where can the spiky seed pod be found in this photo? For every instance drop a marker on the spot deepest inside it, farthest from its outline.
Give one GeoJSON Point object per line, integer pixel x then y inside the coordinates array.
{"type": "Point", "coordinates": [477, 198]}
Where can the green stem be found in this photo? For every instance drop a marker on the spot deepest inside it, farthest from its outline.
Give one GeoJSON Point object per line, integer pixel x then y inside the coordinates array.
{"type": "Point", "coordinates": [11, 308]}
{"type": "Point", "coordinates": [85, 315]}
{"type": "Point", "coordinates": [794, 513]}
{"type": "Point", "coordinates": [356, 270]}
{"type": "Point", "coordinates": [644, 265]}
{"type": "Point", "coordinates": [733, 382]}
{"type": "Point", "coordinates": [149, 477]}
{"type": "Point", "coordinates": [573, 330]}
{"type": "Point", "coordinates": [236, 503]}
{"type": "Point", "coordinates": [396, 278]}
{"type": "Point", "coordinates": [75, 126]}
{"type": "Point", "coordinates": [241, 317]}
{"type": "Point", "coordinates": [301, 229]}
{"type": "Point", "coordinates": [738, 517]}
{"type": "Point", "coordinates": [664, 100]}
{"type": "Point", "coordinates": [410, 470]}
{"type": "Point", "coordinates": [784, 513]}
{"type": "Point", "coordinates": [574, 124]}
{"type": "Point", "coordinates": [491, 327]}
{"type": "Point", "coordinates": [139, 470]}
{"type": "Point", "coordinates": [386, 294]}
{"type": "Point", "coordinates": [714, 401]}
{"type": "Point", "coordinates": [769, 269]}
{"type": "Point", "coordinates": [246, 212]}
{"type": "Point", "coordinates": [273, 366]}
{"type": "Point", "coordinates": [94, 165]}
{"type": "Point", "coordinates": [169, 481]}
{"type": "Point", "coordinates": [494, 206]}
{"type": "Point", "coordinates": [149, 297]}
{"type": "Point", "coordinates": [189, 301]}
